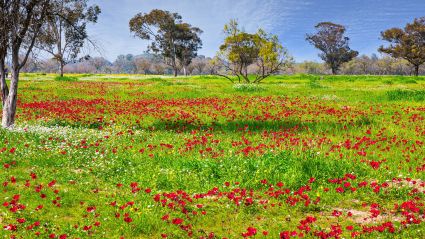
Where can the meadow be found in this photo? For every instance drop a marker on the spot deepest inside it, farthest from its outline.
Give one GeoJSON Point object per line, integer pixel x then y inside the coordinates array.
{"type": "Point", "coordinates": [135, 156]}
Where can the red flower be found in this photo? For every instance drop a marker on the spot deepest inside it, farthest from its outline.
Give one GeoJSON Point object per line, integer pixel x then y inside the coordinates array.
{"type": "Point", "coordinates": [177, 221]}
{"type": "Point", "coordinates": [21, 220]}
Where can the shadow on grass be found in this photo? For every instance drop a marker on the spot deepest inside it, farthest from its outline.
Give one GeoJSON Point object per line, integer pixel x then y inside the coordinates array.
{"type": "Point", "coordinates": [244, 126]}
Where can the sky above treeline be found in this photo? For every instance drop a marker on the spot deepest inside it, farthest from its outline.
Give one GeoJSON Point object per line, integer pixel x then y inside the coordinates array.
{"type": "Point", "coordinates": [290, 20]}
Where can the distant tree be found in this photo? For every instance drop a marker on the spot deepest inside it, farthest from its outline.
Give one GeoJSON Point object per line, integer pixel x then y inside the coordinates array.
{"type": "Point", "coordinates": [240, 50]}
{"type": "Point", "coordinates": [311, 67]}
{"type": "Point", "coordinates": [213, 66]}
{"type": "Point", "coordinates": [21, 22]}
{"type": "Point", "coordinates": [331, 41]}
{"type": "Point", "coordinates": [32, 64]}
{"type": "Point", "coordinates": [143, 65]}
{"type": "Point", "coordinates": [99, 63]}
{"type": "Point", "coordinates": [407, 43]}
{"type": "Point", "coordinates": [125, 64]}
{"type": "Point", "coordinates": [65, 33]}
{"type": "Point", "coordinates": [177, 42]}
{"type": "Point", "coordinates": [199, 64]}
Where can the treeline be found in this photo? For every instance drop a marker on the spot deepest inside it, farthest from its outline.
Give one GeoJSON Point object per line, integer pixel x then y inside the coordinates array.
{"type": "Point", "coordinates": [124, 64]}
{"type": "Point", "coordinates": [362, 65]}
{"type": "Point", "coordinates": [201, 65]}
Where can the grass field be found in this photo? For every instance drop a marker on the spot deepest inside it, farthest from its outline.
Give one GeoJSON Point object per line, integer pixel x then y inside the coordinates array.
{"type": "Point", "coordinates": [133, 156]}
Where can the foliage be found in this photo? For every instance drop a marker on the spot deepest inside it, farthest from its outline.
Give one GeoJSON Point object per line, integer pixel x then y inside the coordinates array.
{"type": "Point", "coordinates": [241, 50]}
{"type": "Point", "coordinates": [176, 41]}
{"type": "Point", "coordinates": [65, 33]}
{"type": "Point", "coordinates": [331, 41]}
{"type": "Point", "coordinates": [407, 43]}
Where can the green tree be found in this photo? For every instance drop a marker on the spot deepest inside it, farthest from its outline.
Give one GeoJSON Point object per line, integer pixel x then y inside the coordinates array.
{"type": "Point", "coordinates": [240, 50]}
{"type": "Point", "coordinates": [330, 39]}
{"type": "Point", "coordinates": [65, 33]}
{"type": "Point", "coordinates": [407, 43]}
{"type": "Point", "coordinates": [177, 42]}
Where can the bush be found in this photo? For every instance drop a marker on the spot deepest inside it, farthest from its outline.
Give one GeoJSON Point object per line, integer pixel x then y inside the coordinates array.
{"type": "Point", "coordinates": [248, 87]}
{"type": "Point", "coordinates": [66, 78]}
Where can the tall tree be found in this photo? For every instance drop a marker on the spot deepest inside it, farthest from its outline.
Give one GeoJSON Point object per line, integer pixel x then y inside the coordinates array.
{"type": "Point", "coordinates": [177, 42]}
{"type": "Point", "coordinates": [241, 50]}
{"type": "Point", "coordinates": [25, 20]}
{"type": "Point", "coordinates": [331, 41]}
{"type": "Point", "coordinates": [407, 43]}
{"type": "Point", "coordinates": [188, 44]}
{"type": "Point", "coordinates": [65, 33]}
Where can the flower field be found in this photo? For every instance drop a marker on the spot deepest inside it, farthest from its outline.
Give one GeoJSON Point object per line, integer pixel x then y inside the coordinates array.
{"type": "Point", "coordinates": [133, 156]}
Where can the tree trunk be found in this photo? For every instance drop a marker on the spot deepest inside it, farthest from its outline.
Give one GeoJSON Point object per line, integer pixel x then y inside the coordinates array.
{"type": "Point", "coordinates": [3, 84]}
{"type": "Point", "coordinates": [9, 107]}
{"type": "Point", "coordinates": [184, 71]}
{"type": "Point", "coordinates": [61, 68]}
{"type": "Point", "coordinates": [175, 71]}
{"type": "Point", "coordinates": [334, 71]}
{"type": "Point", "coordinates": [417, 70]}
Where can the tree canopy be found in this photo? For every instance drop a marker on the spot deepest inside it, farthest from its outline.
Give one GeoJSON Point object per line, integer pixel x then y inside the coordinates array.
{"type": "Point", "coordinates": [407, 43]}
{"type": "Point", "coordinates": [176, 41]}
{"type": "Point", "coordinates": [330, 39]}
{"type": "Point", "coordinates": [241, 50]}
{"type": "Point", "coordinates": [65, 33]}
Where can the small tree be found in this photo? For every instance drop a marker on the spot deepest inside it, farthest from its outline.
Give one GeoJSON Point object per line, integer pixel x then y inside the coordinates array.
{"type": "Point", "coordinates": [177, 42]}
{"type": "Point", "coordinates": [65, 32]}
{"type": "Point", "coordinates": [241, 50]}
{"type": "Point", "coordinates": [407, 43]}
{"type": "Point", "coordinates": [331, 41]}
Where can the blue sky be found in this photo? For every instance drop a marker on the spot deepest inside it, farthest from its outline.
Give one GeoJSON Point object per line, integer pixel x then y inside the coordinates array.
{"type": "Point", "coordinates": [289, 19]}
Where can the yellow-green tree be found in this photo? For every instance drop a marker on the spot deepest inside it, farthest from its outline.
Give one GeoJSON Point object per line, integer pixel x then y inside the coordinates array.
{"type": "Point", "coordinates": [250, 58]}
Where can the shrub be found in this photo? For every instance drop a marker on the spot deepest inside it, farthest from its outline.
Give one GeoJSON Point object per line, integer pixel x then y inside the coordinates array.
{"type": "Point", "coordinates": [248, 87]}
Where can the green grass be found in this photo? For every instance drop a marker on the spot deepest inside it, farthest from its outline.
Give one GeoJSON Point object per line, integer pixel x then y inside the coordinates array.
{"type": "Point", "coordinates": [200, 133]}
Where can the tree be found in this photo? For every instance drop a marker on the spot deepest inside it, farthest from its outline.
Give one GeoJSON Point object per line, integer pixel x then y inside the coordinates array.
{"type": "Point", "coordinates": [125, 64]}
{"type": "Point", "coordinates": [241, 50]}
{"type": "Point", "coordinates": [331, 41]}
{"type": "Point", "coordinates": [200, 63]}
{"type": "Point", "coordinates": [188, 44]}
{"type": "Point", "coordinates": [143, 65]}
{"type": "Point", "coordinates": [24, 20]}
{"type": "Point", "coordinates": [65, 32]}
{"type": "Point", "coordinates": [173, 39]}
{"type": "Point", "coordinates": [5, 30]}
{"type": "Point", "coordinates": [407, 43]}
